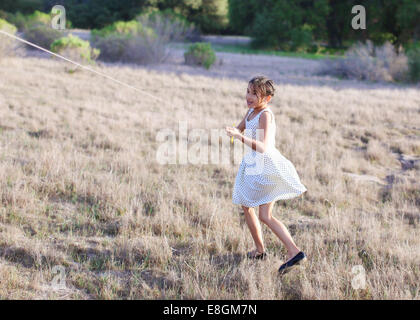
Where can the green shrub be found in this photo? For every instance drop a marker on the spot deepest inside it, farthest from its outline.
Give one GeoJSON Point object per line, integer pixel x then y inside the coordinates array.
{"type": "Point", "coordinates": [414, 64]}
{"type": "Point", "coordinates": [125, 41]}
{"type": "Point", "coordinates": [200, 53]}
{"type": "Point", "coordinates": [42, 35]}
{"type": "Point", "coordinates": [143, 41]}
{"type": "Point", "coordinates": [7, 44]}
{"type": "Point", "coordinates": [38, 17]}
{"type": "Point", "coordinates": [212, 16]}
{"type": "Point", "coordinates": [76, 49]}
{"type": "Point", "coordinates": [8, 27]}
{"type": "Point", "coordinates": [126, 28]}
{"type": "Point", "coordinates": [3, 15]}
{"type": "Point", "coordinates": [37, 29]}
{"type": "Point", "coordinates": [113, 47]}
{"type": "Point", "coordinates": [18, 19]}
{"type": "Point", "coordinates": [302, 39]}
{"type": "Point", "coordinates": [23, 22]}
{"type": "Point", "coordinates": [168, 25]}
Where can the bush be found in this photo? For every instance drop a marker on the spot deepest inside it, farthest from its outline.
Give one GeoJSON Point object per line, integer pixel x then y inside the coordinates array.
{"type": "Point", "coordinates": [76, 49]}
{"type": "Point", "coordinates": [42, 35]}
{"type": "Point", "coordinates": [17, 19]}
{"type": "Point", "coordinates": [126, 42]}
{"type": "Point", "coordinates": [367, 62]}
{"type": "Point", "coordinates": [212, 16]}
{"type": "Point", "coordinates": [201, 54]}
{"type": "Point", "coordinates": [302, 39]}
{"type": "Point", "coordinates": [169, 26]}
{"type": "Point", "coordinates": [7, 45]}
{"type": "Point", "coordinates": [414, 64]}
{"type": "Point", "coordinates": [3, 15]}
{"type": "Point", "coordinates": [127, 28]}
{"type": "Point", "coordinates": [144, 40]}
{"type": "Point", "coordinates": [23, 22]}
{"type": "Point", "coordinates": [37, 18]}
{"type": "Point", "coordinates": [38, 30]}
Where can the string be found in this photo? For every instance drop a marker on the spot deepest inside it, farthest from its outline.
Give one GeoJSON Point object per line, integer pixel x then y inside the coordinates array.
{"type": "Point", "coordinates": [80, 65]}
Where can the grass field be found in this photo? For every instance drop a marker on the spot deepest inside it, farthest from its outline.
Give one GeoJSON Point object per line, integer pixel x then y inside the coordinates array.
{"type": "Point", "coordinates": [245, 49]}
{"type": "Point", "coordinates": [81, 188]}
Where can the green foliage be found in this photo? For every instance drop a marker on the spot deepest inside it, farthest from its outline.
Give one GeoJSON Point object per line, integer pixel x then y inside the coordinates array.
{"type": "Point", "coordinates": [113, 47]}
{"type": "Point", "coordinates": [18, 19]}
{"type": "Point", "coordinates": [213, 16]}
{"type": "Point", "coordinates": [281, 24]}
{"type": "Point", "coordinates": [37, 28]}
{"type": "Point", "coordinates": [414, 64]}
{"type": "Point", "coordinates": [3, 15]}
{"type": "Point", "coordinates": [302, 39]}
{"type": "Point", "coordinates": [42, 35]}
{"type": "Point", "coordinates": [75, 47]}
{"type": "Point", "coordinates": [96, 14]}
{"type": "Point", "coordinates": [143, 40]}
{"type": "Point", "coordinates": [124, 28]}
{"type": "Point", "coordinates": [200, 53]}
{"type": "Point", "coordinates": [241, 15]}
{"type": "Point", "coordinates": [38, 17]}
{"type": "Point", "coordinates": [181, 27]}
{"type": "Point", "coordinates": [290, 25]}
{"type": "Point", "coordinates": [120, 41]}
{"type": "Point", "coordinates": [24, 22]}
{"type": "Point", "coordinates": [210, 16]}
{"type": "Point", "coordinates": [6, 44]}
{"type": "Point", "coordinates": [8, 27]}
{"type": "Point", "coordinates": [24, 6]}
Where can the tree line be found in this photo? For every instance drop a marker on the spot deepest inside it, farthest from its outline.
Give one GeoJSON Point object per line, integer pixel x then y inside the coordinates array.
{"type": "Point", "coordinates": [277, 24]}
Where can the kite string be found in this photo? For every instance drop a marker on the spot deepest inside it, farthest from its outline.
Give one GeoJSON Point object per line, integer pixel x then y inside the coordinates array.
{"type": "Point", "coordinates": [79, 65]}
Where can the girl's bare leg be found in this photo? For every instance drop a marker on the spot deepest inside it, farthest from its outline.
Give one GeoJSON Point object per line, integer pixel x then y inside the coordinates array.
{"type": "Point", "coordinates": [255, 227]}
{"type": "Point", "coordinates": [278, 228]}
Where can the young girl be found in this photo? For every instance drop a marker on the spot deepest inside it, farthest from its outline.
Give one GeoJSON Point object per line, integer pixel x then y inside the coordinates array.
{"type": "Point", "coordinates": [274, 178]}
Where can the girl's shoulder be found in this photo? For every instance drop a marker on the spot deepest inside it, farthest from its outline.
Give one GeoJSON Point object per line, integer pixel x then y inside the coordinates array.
{"type": "Point", "coordinates": [269, 111]}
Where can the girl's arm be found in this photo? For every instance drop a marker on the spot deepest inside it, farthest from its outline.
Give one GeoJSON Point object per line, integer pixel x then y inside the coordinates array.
{"type": "Point", "coordinates": [262, 144]}
{"type": "Point", "coordinates": [241, 126]}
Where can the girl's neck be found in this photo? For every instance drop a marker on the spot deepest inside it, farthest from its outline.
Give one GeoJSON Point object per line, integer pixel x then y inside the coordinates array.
{"type": "Point", "coordinates": [261, 107]}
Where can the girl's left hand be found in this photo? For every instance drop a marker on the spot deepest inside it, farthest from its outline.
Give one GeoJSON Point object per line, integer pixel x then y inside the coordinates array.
{"type": "Point", "coordinates": [233, 132]}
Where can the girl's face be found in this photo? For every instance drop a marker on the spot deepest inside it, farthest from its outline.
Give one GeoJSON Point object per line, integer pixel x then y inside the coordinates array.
{"type": "Point", "coordinates": [252, 98]}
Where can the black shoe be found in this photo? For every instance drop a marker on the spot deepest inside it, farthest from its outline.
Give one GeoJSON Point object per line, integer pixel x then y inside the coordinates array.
{"type": "Point", "coordinates": [258, 256]}
{"type": "Point", "coordinates": [296, 260]}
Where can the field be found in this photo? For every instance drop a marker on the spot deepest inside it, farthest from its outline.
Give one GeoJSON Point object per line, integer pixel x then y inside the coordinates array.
{"type": "Point", "coordinates": [87, 212]}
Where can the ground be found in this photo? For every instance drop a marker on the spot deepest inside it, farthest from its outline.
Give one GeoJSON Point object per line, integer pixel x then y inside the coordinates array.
{"type": "Point", "coordinates": [81, 187]}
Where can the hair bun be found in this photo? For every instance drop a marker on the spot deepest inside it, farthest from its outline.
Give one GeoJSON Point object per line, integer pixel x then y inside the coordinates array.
{"type": "Point", "coordinates": [263, 85]}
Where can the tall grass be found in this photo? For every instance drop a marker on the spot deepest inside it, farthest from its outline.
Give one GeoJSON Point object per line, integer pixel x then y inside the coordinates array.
{"type": "Point", "coordinates": [80, 188]}
{"type": "Point", "coordinates": [367, 62]}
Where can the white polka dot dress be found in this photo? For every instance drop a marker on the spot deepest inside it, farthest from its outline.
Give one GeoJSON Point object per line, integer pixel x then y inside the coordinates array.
{"type": "Point", "coordinates": [264, 177]}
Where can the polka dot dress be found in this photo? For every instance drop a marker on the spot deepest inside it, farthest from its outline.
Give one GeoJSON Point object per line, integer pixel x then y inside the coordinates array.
{"type": "Point", "coordinates": [264, 177]}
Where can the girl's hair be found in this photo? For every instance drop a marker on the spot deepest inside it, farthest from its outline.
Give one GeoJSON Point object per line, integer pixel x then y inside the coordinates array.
{"type": "Point", "coordinates": [263, 86]}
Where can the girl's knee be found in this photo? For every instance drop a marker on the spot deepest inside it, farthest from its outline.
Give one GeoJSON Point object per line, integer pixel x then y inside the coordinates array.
{"type": "Point", "coordinates": [247, 209]}
{"type": "Point", "coordinates": [264, 218]}
{"type": "Point", "coordinates": [264, 213]}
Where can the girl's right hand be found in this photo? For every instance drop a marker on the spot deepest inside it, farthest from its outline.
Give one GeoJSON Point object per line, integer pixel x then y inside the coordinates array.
{"type": "Point", "coordinates": [232, 132]}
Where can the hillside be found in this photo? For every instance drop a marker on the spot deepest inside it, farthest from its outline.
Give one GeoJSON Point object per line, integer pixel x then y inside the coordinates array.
{"type": "Point", "coordinates": [81, 186]}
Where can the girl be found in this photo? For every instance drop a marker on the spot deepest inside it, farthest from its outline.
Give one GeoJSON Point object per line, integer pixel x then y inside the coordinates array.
{"type": "Point", "coordinates": [269, 178]}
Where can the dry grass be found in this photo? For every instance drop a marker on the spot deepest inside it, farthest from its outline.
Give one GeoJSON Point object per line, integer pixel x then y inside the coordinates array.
{"type": "Point", "coordinates": [81, 188]}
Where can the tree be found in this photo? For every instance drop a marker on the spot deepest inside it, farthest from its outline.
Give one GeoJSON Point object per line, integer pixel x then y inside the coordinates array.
{"type": "Point", "coordinates": [242, 15]}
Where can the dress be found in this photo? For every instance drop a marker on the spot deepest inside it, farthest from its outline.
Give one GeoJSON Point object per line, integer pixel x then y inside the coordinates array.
{"type": "Point", "coordinates": [264, 177]}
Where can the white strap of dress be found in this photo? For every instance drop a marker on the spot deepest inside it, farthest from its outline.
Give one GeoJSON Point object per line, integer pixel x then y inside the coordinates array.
{"type": "Point", "coordinates": [248, 113]}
